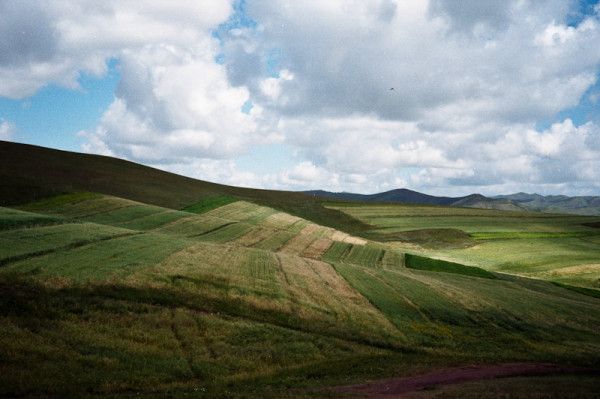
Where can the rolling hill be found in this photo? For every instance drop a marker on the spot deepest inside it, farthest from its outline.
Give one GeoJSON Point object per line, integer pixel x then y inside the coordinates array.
{"type": "Point", "coordinates": [30, 172]}
{"type": "Point", "coordinates": [119, 280]}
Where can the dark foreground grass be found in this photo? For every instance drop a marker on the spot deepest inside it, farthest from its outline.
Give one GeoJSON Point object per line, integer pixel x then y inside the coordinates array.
{"type": "Point", "coordinates": [557, 386]}
{"type": "Point", "coordinates": [582, 290]}
{"type": "Point", "coordinates": [87, 341]}
{"type": "Point", "coordinates": [118, 341]}
{"type": "Point", "coordinates": [438, 265]}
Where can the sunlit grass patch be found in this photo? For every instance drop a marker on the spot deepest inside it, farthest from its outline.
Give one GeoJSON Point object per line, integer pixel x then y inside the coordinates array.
{"type": "Point", "coordinates": [503, 235]}
{"type": "Point", "coordinates": [337, 251]}
{"type": "Point", "coordinates": [18, 243]}
{"type": "Point", "coordinates": [114, 258]}
{"type": "Point", "coordinates": [209, 203]}
{"type": "Point", "coordinates": [227, 232]}
{"type": "Point", "coordinates": [59, 201]}
{"type": "Point", "coordinates": [192, 226]}
{"type": "Point", "coordinates": [12, 219]}
{"type": "Point", "coordinates": [275, 241]}
{"type": "Point", "coordinates": [438, 265]}
{"type": "Point", "coordinates": [80, 205]}
{"type": "Point", "coordinates": [365, 255]}
{"type": "Point", "coordinates": [155, 220]}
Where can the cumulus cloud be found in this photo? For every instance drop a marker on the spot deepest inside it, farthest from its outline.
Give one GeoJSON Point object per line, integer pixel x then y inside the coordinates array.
{"type": "Point", "coordinates": [174, 104]}
{"type": "Point", "coordinates": [470, 84]}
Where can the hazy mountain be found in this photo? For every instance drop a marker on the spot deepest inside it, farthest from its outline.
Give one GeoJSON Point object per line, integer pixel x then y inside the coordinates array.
{"type": "Point", "coordinates": [583, 205]}
{"type": "Point", "coordinates": [402, 195]}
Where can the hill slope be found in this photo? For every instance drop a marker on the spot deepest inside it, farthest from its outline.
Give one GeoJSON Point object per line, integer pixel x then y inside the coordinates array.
{"type": "Point", "coordinates": [30, 172]}
{"type": "Point", "coordinates": [201, 291]}
{"type": "Point", "coordinates": [242, 300]}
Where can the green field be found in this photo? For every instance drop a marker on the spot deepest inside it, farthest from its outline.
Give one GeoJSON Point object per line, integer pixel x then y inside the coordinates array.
{"type": "Point", "coordinates": [160, 292]}
{"type": "Point", "coordinates": [561, 248]}
{"type": "Point", "coordinates": [226, 304]}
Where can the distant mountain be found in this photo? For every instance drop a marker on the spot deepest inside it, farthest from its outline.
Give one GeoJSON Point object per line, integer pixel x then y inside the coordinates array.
{"type": "Point", "coordinates": [582, 205]}
{"type": "Point", "coordinates": [514, 202]}
{"type": "Point", "coordinates": [481, 201]}
{"type": "Point", "coordinates": [402, 195]}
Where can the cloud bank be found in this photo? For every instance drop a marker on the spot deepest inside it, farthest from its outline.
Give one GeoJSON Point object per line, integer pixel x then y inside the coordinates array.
{"type": "Point", "coordinates": [203, 83]}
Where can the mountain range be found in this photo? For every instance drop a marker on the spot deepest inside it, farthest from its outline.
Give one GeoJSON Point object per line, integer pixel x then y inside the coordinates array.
{"type": "Point", "coordinates": [579, 205]}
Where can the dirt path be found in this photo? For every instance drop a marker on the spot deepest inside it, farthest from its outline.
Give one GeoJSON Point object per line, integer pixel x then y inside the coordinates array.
{"type": "Point", "coordinates": [395, 387]}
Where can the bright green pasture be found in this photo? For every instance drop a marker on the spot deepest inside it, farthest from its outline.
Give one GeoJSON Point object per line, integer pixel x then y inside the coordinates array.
{"type": "Point", "coordinates": [570, 259]}
{"type": "Point", "coordinates": [101, 260]}
{"type": "Point", "coordinates": [19, 243]}
{"type": "Point", "coordinates": [370, 255]}
{"type": "Point", "coordinates": [530, 244]}
{"type": "Point", "coordinates": [107, 210]}
{"type": "Point", "coordinates": [243, 212]}
{"type": "Point", "coordinates": [12, 218]}
{"type": "Point", "coordinates": [396, 218]}
{"type": "Point", "coordinates": [209, 203]}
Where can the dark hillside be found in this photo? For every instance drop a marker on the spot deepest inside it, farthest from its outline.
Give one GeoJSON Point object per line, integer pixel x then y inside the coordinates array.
{"type": "Point", "coordinates": [30, 172]}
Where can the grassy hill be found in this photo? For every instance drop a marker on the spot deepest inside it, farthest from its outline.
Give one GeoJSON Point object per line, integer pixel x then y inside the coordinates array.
{"type": "Point", "coordinates": [29, 172]}
{"type": "Point", "coordinates": [220, 296]}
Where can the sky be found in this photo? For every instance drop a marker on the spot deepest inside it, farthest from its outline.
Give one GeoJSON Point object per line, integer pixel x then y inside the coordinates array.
{"type": "Point", "coordinates": [440, 96]}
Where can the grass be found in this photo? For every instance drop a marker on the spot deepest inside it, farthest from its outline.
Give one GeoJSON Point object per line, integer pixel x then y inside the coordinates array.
{"type": "Point", "coordinates": [494, 235]}
{"type": "Point", "coordinates": [365, 255]}
{"type": "Point", "coordinates": [61, 172]}
{"type": "Point", "coordinates": [337, 252]}
{"type": "Point", "coordinates": [442, 310]}
{"type": "Point", "coordinates": [102, 260]}
{"type": "Point", "coordinates": [187, 310]}
{"type": "Point", "coordinates": [12, 218]}
{"type": "Point", "coordinates": [17, 244]}
{"type": "Point", "coordinates": [438, 265]}
{"type": "Point", "coordinates": [209, 203]}
{"type": "Point", "coordinates": [581, 290]}
{"type": "Point", "coordinates": [560, 386]}
{"type": "Point", "coordinates": [56, 336]}
{"type": "Point", "coordinates": [228, 232]}
{"type": "Point", "coordinates": [128, 296]}
{"type": "Point", "coordinates": [560, 248]}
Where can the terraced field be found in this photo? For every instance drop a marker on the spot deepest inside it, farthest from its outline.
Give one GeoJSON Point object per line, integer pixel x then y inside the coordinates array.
{"type": "Point", "coordinates": [562, 248]}
{"type": "Point", "coordinates": [242, 300]}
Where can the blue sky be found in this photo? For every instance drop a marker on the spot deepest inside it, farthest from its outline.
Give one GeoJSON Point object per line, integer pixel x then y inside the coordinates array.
{"type": "Point", "coordinates": [301, 103]}
{"type": "Point", "coordinates": [54, 115]}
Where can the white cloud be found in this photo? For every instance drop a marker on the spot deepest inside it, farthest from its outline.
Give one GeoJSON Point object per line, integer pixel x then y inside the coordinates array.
{"type": "Point", "coordinates": [174, 104]}
{"type": "Point", "coordinates": [54, 42]}
{"type": "Point", "coordinates": [7, 130]}
{"type": "Point", "coordinates": [470, 82]}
